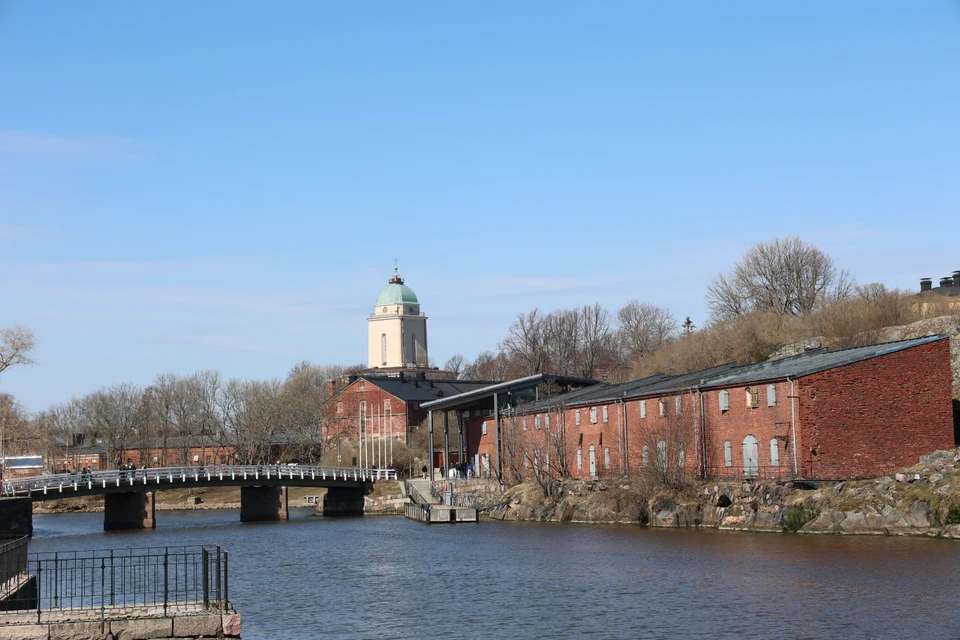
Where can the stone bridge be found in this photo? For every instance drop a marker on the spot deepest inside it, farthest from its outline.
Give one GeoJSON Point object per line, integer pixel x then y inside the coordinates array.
{"type": "Point", "coordinates": [129, 495]}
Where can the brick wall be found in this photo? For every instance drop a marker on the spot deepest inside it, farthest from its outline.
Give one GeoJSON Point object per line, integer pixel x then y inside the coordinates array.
{"type": "Point", "coordinates": [876, 416]}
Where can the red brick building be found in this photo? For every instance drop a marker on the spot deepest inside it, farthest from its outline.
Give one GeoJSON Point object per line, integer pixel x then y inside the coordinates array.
{"type": "Point", "coordinates": [821, 414]}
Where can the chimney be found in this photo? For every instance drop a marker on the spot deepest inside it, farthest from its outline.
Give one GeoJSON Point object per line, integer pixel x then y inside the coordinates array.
{"type": "Point", "coordinates": [926, 284]}
{"type": "Point", "coordinates": [956, 278]}
{"type": "Point", "coordinates": [331, 387]}
{"type": "Point", "coordinates": [946, 282]}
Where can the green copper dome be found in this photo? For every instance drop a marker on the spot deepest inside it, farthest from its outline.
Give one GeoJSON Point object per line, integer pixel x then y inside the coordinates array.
{"type": "Point", "coordinates": [396, 292]}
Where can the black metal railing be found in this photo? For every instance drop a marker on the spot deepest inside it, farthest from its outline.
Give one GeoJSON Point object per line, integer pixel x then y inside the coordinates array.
{"type": "Point", "coordinates": [13, 560]}
{"type": "Point", "coordinates": [174, 578]}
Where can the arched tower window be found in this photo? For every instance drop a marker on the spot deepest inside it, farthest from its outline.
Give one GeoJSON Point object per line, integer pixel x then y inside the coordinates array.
{"type": "Point", "coordinates": [383, 348]}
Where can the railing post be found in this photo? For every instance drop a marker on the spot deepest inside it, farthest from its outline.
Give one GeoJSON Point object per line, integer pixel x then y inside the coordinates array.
{"type": "Point", "coordinates": [219, 584]}
{"type": "Point", "coordinates": [103, 586]}
{"type": "Point", "coordinates": [226, 580]}
{"type": "Point", "coordinates": [39, 588]}
{"type": "Point", "coordinates": [166, 578]}
{"type": "Point", "coordinates": [206, 579]}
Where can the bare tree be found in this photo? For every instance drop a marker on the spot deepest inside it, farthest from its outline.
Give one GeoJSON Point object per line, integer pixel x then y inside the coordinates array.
{"type": "Point", "coordinates": [644, 328]}
{"type": "Point", "coordinates": [787, 276]}
{"type": "Point", "coordinates": [524, 343]}
{"type": "Point", "coordinates": [16, 343]}
{"type": "Point", "coordinates": [457, 364]}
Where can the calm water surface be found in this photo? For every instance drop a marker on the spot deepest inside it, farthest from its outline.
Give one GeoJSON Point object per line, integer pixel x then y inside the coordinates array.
{"type": "Point", "coordinates": [393, 578]}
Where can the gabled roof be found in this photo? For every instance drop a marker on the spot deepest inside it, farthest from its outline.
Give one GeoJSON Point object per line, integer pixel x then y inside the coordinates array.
{"type": "Point", "coordinates": [805, 364]}
{"type": "Point", "coordinates": [476, 396]}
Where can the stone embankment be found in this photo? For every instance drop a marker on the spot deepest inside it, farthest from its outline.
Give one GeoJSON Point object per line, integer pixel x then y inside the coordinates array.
{"type": "Point", "coordinates": [923, 500]}
{"type": "Point", "coordinates": [199, 626]}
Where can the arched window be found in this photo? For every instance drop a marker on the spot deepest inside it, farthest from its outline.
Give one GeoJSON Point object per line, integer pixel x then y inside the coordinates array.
{"type": "Point", "coordinates": [593, 460]}
{"type": "Point", "coordinates": [728, 454]}
{"type": "Point", "coordinates": [681, 457]}
{"type": "Point", "coordinates": [606, 457]}
{"type": "Point", "coordinates": [383, 348]}
{"type": "Point", "coordinates": [579, 460]}
{"type": "Point", "coordinates": [774, 452]}
{"type": "Point", "coordinates": [751, 456]}
{"type": "Point", "coordinates": [678, 401]}
{"type": "Point", "coordinates": [646, 455]}
{"type": "Point", "coordinates": [662, 455]}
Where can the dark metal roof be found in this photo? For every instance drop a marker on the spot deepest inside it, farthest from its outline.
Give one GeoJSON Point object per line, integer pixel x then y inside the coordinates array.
{"type": "Point", "coordinates": [484, 394]}
{"type": "Point", "coordinates": [811, 362]}
{"type": "Point", "coordinates": [416, 390]}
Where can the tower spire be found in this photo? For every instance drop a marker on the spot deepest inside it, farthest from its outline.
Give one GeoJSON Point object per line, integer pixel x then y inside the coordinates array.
{"type": "Point", "coordinates": [396, 279]}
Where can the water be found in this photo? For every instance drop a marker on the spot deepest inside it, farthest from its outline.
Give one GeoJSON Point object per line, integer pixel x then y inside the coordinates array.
{"type": "Point", "coordinates": [393, 578]}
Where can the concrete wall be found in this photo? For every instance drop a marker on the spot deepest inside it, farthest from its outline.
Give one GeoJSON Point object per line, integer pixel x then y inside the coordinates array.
{"type": "Point", "coordinates": [130, 510]}
{"type": "Point", "coordinates": [263, 504]}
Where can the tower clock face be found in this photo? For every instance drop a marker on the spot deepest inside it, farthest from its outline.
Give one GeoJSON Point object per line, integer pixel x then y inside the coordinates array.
{"type": "Point", "coordinates": [384, 309]}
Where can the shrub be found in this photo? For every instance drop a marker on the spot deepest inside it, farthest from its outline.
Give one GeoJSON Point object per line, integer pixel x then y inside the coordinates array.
{"type": "Point", "coordinates": [794, 518]}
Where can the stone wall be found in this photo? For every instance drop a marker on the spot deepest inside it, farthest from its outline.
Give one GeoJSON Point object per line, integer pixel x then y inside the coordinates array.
{"type": "Point", "coordinates": [197, 626]}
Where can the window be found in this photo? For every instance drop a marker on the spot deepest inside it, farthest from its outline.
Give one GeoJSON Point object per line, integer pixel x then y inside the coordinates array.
{"type": "Point", "coordinates": [646, 455]}
{"type": "Point", "coordinates": [724, 397]}
{"type": "Point", "coordinates": [363, 413]}
{"type": "Point", "coordinates": [363, 384]}
{"type": "Point", "coordinates": [681, 457]}
{"type": "Point", "coordinates": [606, 413]}
{"type": "Point", "coordinates": [576, 417]}
{"type": "Point", "coordinates": [643, 409]}
{"type": "Point", "coordinates": [727, 454]}
{"type": "Point", "coordinates": [662, 455]}
{"type": "Point", "coordinates": [546, 421]}
{"type": "Point", "coordinates": [536, 459]}
{"type": "Point", "coordinates": [593, 461]}
{"type": "Point", "coordinates": [663, 407]}
{"type": "Point", "coordinates": [386, 405]}
{"type": "Point", "coordinates": [606, 458]}
{"type": "Point", "coordinates": [753, 398]}
{"type": "Point", "coordinates": [593, 415]}
{"type": "Point", "coordinates": [483, 428]}
{"type": "Point", "coordinates": [383, 348]}
{"type": "Point", "coordinates": [547, 459]}
{"type": "Point", "coordinates": [536, 421]}
{"type": "Point", "coordinates": [771, 395]}
{"type": "Point", "coordinates": [524, 423]}
{"type": "Point", "coordinates": [678, 402]}
{"type": "Point", "coordinates": [526, 463]}
{"type": "Point", "coordinates": [579, 460]}
{"type": "Point", "coordinates": [339, 407]}
{"type": "Point", "coordinates": [774, 452]}
{"type": "Point", "coordinates": [751, 456]}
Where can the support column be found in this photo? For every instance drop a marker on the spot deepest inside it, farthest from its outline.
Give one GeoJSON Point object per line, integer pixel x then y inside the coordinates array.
{"type": "Point", "coordinates": [430, 443]}
{"type": "Point", "coordinates": [263, 504]}
{"type": "Point", "coordinates": [446, 442]}
{"type": "Point", "coordinates": [496, 435]}
{"type": "Point", "coordinates": [460, 437]}
{"type": "Point", "coordinates": [129, 510]}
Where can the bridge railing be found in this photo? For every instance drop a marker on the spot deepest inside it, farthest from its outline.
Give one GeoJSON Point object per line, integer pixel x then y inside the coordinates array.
{"type": "Point", "coordinates": [174, 578]}
{"type": "Point", "coordinates": [123, 477]}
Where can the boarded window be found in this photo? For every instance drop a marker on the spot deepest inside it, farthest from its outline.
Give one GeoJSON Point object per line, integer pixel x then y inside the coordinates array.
{"type": "Point", "coordinates": [753, 398]}
{"type": "Point", "coordinates": [593, 460]}
{"type": "Point", "coordinates": [576, 417]}
{"type": "Point", "coordinates": [771, 395]}
{"type": "Point", "coordinates": [524, 423]}
{"type": "Point", "coordinates": [483, 428]}
{"type": "Point", "coordinates": [643, 408]}
{"type": "Point", "coordinates": [728, 453]}
{"type": "Point", "coordinates": [751, 456]}
{"type": "Point", "coordinates": [663, 407]}
{"type": "Point", "coordinates": [536, 421]}
{"type": "Point", "coordinates": [546, 421]}
{"type": "Point", "coordinates": [593, 415]}
{"type": "Point", "coordinates": [579, 460]}
{"type": "Point", "coordinates": [606, 458]}
{"type": "Point", "coordinates": [724, 400]}
{"type": "Point", "coordinates": [606, 414]}
{"type": "Point", "coordinates": [386, 405]}
{"type": "Point", "coordinates": [774, 452]}
{"type": "Point", "coordinates": [678, 401]}
{"type": "Point", "coordinates": [646, 455]}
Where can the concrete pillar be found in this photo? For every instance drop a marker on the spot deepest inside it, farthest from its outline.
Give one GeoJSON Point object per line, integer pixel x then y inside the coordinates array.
{"type": "Point", "coordinates": [16, 517]}
{"type": "Point", "coordinates": [343, 501]}
{"type": "Point", "coordinates": [263, 504]}
{"type": "Point", "coordinates": [130, 510]}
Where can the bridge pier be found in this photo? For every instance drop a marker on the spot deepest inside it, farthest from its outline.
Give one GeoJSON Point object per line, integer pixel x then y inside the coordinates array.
{"type": "Point", "coordinates": [129, 510]}
{"type": "Point", "coordinates": [16, 517]}
{"type": "Point", "coordinates": [344, 501]}
{"type": "Point", "coordinates": [263, 504]}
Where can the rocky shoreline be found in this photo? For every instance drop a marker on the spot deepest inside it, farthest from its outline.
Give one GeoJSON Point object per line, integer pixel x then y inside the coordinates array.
{"type": "Point", "coordinates": [923, 500]}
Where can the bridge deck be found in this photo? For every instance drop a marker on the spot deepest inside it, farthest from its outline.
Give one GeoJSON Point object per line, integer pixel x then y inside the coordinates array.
{"type": "Point", "coordinates": [72, 485]}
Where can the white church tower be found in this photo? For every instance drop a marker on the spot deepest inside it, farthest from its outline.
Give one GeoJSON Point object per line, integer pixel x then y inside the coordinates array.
{"type": "Point", "coordinates": [397, 332]}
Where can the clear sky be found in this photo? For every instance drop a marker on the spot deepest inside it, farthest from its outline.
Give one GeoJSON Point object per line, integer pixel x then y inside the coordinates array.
{"type": "Point", "coordinates": [225, 185]}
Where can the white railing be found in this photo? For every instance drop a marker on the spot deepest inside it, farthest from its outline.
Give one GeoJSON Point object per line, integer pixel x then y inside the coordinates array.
{"type": "Point", "coordinates": [74, 482]}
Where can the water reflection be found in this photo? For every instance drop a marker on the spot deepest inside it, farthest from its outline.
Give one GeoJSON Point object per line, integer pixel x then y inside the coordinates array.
{"type": "Point", "coordinates": [390, 577]}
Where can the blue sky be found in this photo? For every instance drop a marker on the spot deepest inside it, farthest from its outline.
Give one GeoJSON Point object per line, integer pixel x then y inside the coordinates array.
{"type": "Point", "coordinates": [225, 185]}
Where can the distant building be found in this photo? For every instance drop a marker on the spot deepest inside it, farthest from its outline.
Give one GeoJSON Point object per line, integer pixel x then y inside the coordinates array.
{"type": "Point", "coordinates": [396, 330]}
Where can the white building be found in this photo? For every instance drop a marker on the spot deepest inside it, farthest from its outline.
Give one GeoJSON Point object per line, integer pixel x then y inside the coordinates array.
{"type": "Point", "coordinates": [396, 330]}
